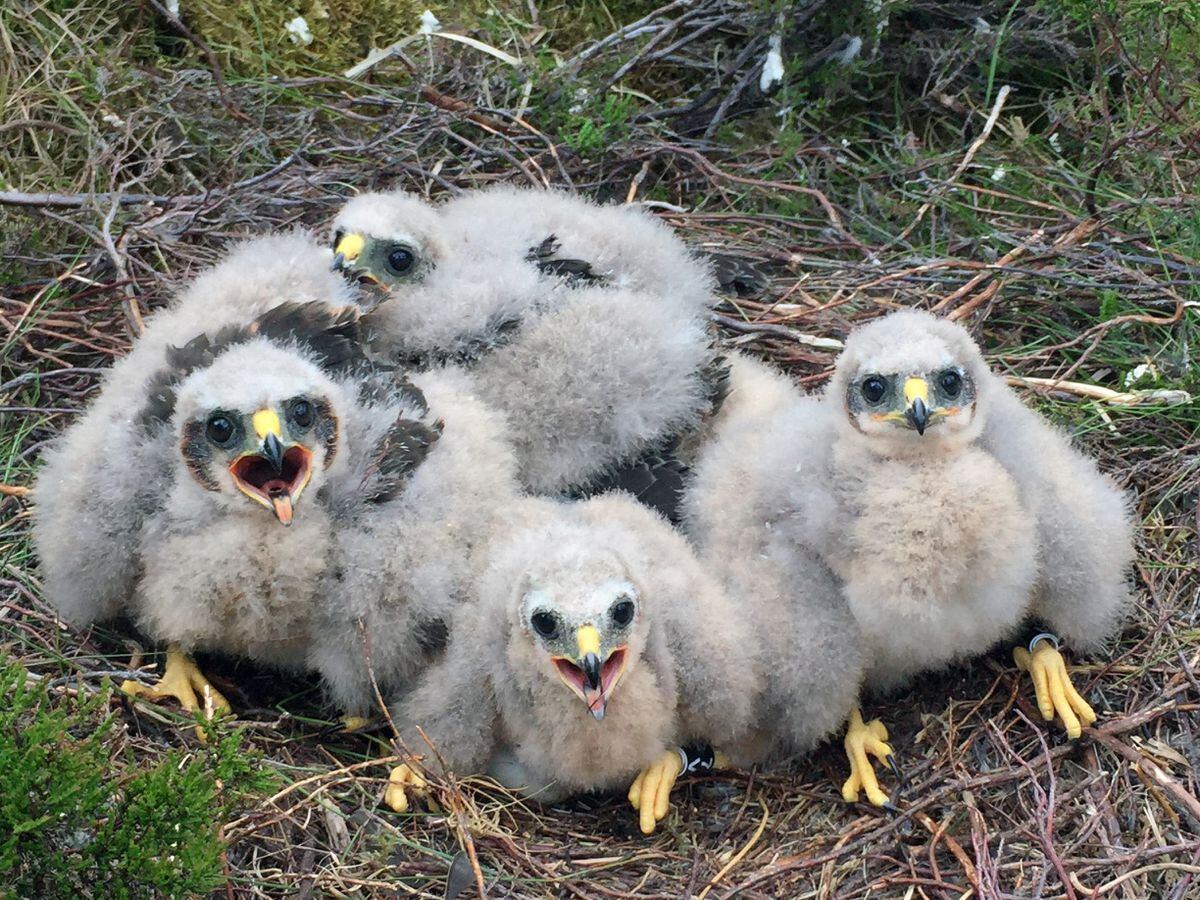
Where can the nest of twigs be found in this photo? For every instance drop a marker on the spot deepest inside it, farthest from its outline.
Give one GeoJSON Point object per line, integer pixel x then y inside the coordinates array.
{"type": "Point", "coordinates": [996, 802]}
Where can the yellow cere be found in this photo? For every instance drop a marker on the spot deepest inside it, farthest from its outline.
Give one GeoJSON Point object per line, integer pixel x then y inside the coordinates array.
{"type": "Point", "coordinates": [266, 421]}
{"type": "Point", "coordinates": [588, 639]}
{"type": "Point", "coordinates": [916, 388]}
{"type": "Point", "coordinates": [350, 246]}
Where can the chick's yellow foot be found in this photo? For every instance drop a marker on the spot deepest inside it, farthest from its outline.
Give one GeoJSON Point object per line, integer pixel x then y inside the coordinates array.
{"type": "Point", "coordinates": [1052, 684]}
{"type": "Point", "coordinates": [863, 738]}
{"type": "Point", "coordinates": [184, 682]}
{"type": "Point", "coordinates": [403, 780]}
{"type": "Point", "coordinates": [650, 793]}
{"type": "Point", "coordinates": [351, 724]}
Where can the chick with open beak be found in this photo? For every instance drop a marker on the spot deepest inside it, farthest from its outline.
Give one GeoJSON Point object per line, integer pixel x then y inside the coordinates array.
{"type": "Point", "coordinates": [590, 662]}
{"type": "Point", "coordinates": [269, 454]}
{"type": "Point", "coordinates": [290, 468]}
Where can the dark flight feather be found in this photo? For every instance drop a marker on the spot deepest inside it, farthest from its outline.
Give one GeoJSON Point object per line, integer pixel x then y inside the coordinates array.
{"type": "Point", "coordinates": [397, 456]}
{"type": "Point", "coordinates": [737, 275]}
{"type": "Point", "coordinates": [715, 375]}
{"type": "Point", "coordinates": [573, 271]}
{"type": "Point", "coordinates": [655, 479]}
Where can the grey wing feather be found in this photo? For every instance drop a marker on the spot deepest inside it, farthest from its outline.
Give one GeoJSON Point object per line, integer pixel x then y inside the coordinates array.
{"type": "Point", "coordinates": [655, 479]}
{"type": "Point", "coordinates": [402, 449]}
{"type": "Point", "coordinates": [1084, 524]}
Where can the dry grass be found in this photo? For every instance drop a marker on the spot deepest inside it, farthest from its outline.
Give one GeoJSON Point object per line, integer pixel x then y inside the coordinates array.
{"type": "Point", "coordinates": [1073, 270]}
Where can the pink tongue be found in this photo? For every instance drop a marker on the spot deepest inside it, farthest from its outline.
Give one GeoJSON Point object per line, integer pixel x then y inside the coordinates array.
{"type": "Point", "coordinates": [282, 504]}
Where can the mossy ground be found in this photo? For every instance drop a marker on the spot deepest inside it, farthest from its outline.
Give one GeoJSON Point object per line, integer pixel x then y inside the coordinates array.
{"type": "Point", "coordinates": [1073, 229]}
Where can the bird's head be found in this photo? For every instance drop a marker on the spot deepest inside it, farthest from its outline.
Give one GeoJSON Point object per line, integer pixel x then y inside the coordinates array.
{"type": "Point", "coordinates": [911, 383]}
{"type": "Point", "coordinates": [392, 239]}
{"type": "Point", "coordinates": [258, 426]}
{"type": "Point", "coordinates": [582, 620]}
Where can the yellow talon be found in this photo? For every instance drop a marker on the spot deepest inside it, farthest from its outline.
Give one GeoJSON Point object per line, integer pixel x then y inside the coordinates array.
{"type": "Point", "coordinates": [182, 680]}
{"type": "Point", "coordinates": [864, 738]}
{"type": "Point", "coordinates": [404, 778]}
{"type": "Point", "coordinates": [351, 724]}
{"type": "Point", "coordinates": [650, 793]}
{"type": "Point", "coordinates": [1052, 685]}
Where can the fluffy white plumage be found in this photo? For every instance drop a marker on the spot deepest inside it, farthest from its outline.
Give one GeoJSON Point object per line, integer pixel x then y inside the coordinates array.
{"type": "Point", "coordinates": [101, 478]}
{"type": "Point", "coordinates": [495, 702]}
{"type": "Point", "coordinates": [403, 567]}
{"type": "Point", "coordinates": [384, 518]}
{"type": "Point", "coordinates": [738, 511]}
{"type": "Point", "coordinates": [219, 573]}
{"type": "Point", "coordinates": [594, 343]}
{"type": "Point", "coordinates": [944, 542]}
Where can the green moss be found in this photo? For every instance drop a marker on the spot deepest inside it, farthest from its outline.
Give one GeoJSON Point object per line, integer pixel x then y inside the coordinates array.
{"type": "Point", "coordinates": [251, 36]}
{"type": "Point", "coordinates": [78, 819]}
{"type": "Point", "coordinates": [596, 122]}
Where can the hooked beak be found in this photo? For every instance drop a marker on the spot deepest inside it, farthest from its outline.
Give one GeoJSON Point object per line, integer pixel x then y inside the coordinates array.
{"type": "Point", "coordinates": [272, 452]}
{"type": "Point", "coordinates": [590, 665]}
{"type": "Point", "coordinates": [273, 477]}
{"type": "Point", "coordinates": [916, 394]}
{"type": "Point", "coordinates": [590, 679]}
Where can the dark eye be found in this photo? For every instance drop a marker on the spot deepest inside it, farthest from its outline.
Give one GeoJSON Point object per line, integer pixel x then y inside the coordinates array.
{"type": "Point", "coordinates": [400, 261]}
{"type": "Point", "coordinates": [544, 623]}
{"type": "Point", "coordinates": [950, 382]}
{"type": "Point", "coordinates": [337, 238]}
{"type": "Point", "coordinates": [220, 429]}
{"type": "Point", "coordinates": [301, 413]}
{"type": "Point", "coordinates": [873, 388]}
{"type": "Point", "coordinates": [622, 613]}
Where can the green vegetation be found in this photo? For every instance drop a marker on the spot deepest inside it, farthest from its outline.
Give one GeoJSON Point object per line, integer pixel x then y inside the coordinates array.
{"type": "Point", "coordinates": [595, 123]}
{"type": "Point", "coordinates": [80, 816]}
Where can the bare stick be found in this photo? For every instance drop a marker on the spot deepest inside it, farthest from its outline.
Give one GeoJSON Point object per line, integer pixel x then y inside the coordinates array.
{"type": "Point", "coordinates": [978, 143]}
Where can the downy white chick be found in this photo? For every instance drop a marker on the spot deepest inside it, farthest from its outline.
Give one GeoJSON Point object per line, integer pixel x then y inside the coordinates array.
{"type": "Point", "coordinates": [395, 500]}
{"type": "Point", "coordinates": [595, 646]}
{"type": "Point", "coordinates": [929, 490]}
{"type": "Point", "coordinates": [253, 436]}
{"type": "Point", "coordinates": [101, 478]}
{"type": "Point", "coordinates": [240, 424]}
{"type": "Point", "coordinates": [586, 325]}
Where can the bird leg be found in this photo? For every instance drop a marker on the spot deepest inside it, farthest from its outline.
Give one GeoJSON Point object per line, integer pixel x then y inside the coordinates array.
{"type": "Point", "coordinates": [403, 779]}
{"type": "Point", "coordinates": [864, 738]}
{"type": "Point", "coordinates": [1052, 684]}
{"type": "Point", "coordinates": [183, 681]}
{"type": "Point", "coordinates": [650, 793]}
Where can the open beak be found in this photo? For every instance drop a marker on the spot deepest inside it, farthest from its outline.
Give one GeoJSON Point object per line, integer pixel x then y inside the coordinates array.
{"type": "Point", "coordinates": [273, 477]}
{"type": "Point", "coordinates": [916, 395]}
{"type": "Point", "coordinates": [590, 679]}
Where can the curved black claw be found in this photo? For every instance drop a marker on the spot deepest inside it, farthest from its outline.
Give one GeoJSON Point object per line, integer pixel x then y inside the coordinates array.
{"type": "Point", "coordinates": [901, 781]}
